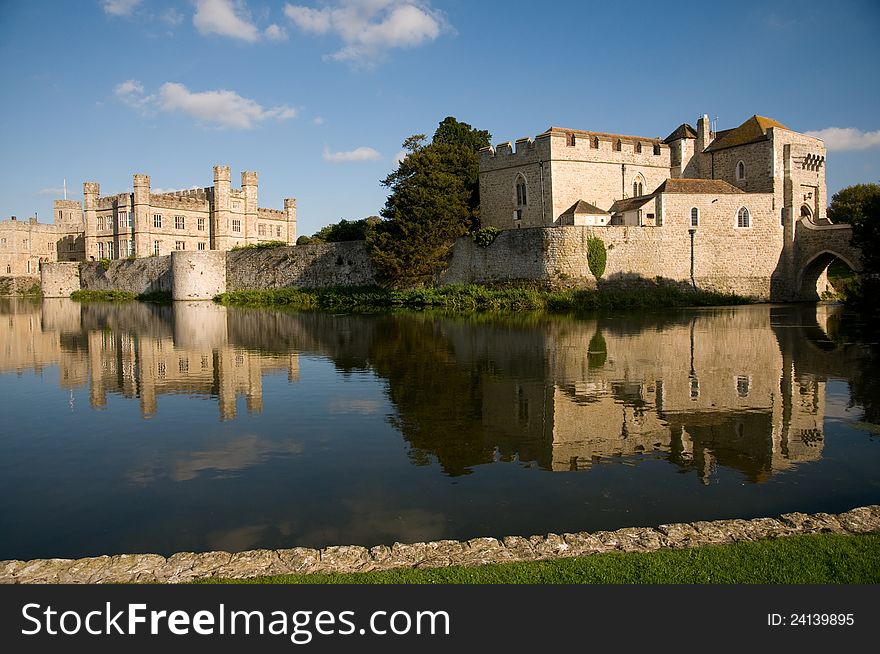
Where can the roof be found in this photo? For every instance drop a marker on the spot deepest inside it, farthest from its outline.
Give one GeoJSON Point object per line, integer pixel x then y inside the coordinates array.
{"type": "Point", "coordinates": [697, 186]}
{"type": "Point", "coordinates": [582, 207]}
{"type": "Point", "coordinates": [751, 131]}
{"type": "Point", "coordinates": [630, 204]}
{"type": "Point", "coordinates": [602, 135]}
{"type": "Point", "coordinates": [683, 131]}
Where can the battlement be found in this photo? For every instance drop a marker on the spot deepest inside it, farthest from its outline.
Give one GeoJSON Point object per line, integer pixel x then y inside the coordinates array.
{"type": "Point", "coordinates": [113, 201]}
{"type": "Point", "coordinates": [272, 214]}
{"type": "Point", "coordinates": [221, 174]}
{"type": "Point", "coordinates": [200, 194]}
{"type": "Point", "coordinates": [172, 201]}
{"type": "Point", "coordinates": [248, 178]}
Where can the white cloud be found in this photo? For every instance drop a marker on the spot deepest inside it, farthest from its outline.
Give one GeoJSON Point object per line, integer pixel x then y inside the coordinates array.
{"type": "Point", "coordinates": [400, 156]}
{"type": "Point", "coordinates": [55, 191]}
{"type": "Point", "coordinates": [226, 18]}
{"type": "Point", "coordinates": [275, 33]}
{"type": "Point", "coordinates": [220, 108]}
{"type": "Point", "coordinates": [369, 27]}
{"type": "Point", "coordinates": [318, 120]}
{"type": "Point", "coordinates": [358, 154]}
{"type": "Point", "coordinates": [119, 7]}
{"type": "Point", "coordinates": [847, 138]}
{"type": "Point", "coordinates": [172, 18]}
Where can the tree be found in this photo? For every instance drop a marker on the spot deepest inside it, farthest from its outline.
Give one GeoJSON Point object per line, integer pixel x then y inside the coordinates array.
{"type": "Point", "coordinates": [347, 230]}
{"type": "Point", "coordinates": [848, 204]}
{"type": "Point", "coordinates": [434, 199]}
{"type": "Point", "coordinates": [866, 233]}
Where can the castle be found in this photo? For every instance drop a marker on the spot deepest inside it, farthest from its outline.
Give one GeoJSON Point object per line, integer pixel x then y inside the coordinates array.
{"type": "Point", "coordinates": [719, 209]}
{"type": "Point", "coordinates": [143, 224]}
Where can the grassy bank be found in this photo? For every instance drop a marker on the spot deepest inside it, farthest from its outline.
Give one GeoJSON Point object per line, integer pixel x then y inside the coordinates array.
{"type": "Point", "coordinates": [814, 559]}
{"type": "Point", "coordinates": [119, 296]}
{"type": "Point", "coordinates": [476, 298]}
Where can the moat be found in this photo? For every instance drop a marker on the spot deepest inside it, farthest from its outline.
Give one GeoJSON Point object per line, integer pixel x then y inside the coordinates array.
{"type": "Point", "coordinates": [148, 428]}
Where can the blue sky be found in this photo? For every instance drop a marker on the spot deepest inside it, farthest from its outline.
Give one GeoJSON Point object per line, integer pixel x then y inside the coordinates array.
{"type": "Point", "coordinates": [317, 96]}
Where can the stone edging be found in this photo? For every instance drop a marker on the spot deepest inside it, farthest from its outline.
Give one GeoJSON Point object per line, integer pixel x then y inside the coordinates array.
{"type": "Point", "coordinates": [186, 566]}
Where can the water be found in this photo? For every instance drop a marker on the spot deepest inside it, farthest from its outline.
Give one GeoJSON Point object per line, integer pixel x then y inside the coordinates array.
{"type": "Point", "coordinates": [143, 428]}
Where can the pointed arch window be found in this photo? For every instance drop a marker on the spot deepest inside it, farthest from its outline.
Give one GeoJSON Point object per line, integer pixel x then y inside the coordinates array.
{"type": "Point", "coordinates": [740, 170]}
{"type": "Point", "coordinates": [743, 218]}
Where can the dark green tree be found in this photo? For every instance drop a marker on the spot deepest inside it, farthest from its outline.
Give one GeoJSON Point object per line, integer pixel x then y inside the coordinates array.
{"type": "Point", "coordinates": [434, 199]}
{"type": "Point", "coordinates": [347, 230]}
{"type": "Point", "coordinates": [848, 204]}
{"type": "Point", "coordinates": [866, 234]}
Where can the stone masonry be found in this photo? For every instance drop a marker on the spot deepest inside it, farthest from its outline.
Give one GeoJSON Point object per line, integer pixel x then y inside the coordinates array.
{"type": "Point", "coordinates": [188, 566]}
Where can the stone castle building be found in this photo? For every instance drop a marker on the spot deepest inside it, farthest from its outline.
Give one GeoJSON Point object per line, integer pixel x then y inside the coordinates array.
{"type": "Point", "coordinates": [750, 189]}
{"type": "Point", "coordinates": [143, 224]}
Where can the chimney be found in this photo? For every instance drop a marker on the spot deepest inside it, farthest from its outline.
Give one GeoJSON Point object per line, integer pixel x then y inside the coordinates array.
{"type": "Point", "coordinates": [704, 134]}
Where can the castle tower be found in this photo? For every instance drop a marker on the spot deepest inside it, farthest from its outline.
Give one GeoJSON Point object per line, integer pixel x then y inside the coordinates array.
{"type": "Point", "coordinates": [91, 190]}
{"type": "Point", "coordinates": [249, 191]}
{"type": "Point", "coordinates": [143, 224]}
{"type": "Point", "coordinates": [290, 213]}
{"type": "Point", "coordinates": [221, 222]}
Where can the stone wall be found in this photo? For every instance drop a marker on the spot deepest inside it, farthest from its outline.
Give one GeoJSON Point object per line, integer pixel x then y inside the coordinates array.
{"type": "Point", "coordinates": [319, 265]}
{"type": "Point", "coordinates": [188, 566]}
{"type": "Point", "coordinates": [13, 286]}
{"type": "Point", "coordinates": [59, 279]}
{"type": "Point", "coordinates": [148, 275]}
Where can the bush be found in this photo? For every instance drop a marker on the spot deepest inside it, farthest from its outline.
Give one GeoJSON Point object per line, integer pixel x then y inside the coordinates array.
{"type": "Point", "coordinates": [486, 236]}
{"type": "Point", "coordinates": [304, 240]}
{"type": "Point", "coordinates": [596, 256]}
{"type": "Point", "coordinates": [105, 264]}
{"type": "Point", "coordinates": [262, 245]}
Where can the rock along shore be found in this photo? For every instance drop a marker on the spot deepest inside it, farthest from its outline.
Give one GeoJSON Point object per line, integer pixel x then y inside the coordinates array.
{"type": "Point", "coordinates": [187, 566]}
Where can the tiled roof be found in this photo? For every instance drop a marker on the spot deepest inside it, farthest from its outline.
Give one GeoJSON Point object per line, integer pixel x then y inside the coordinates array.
{"type": "Point", "coordinates": [696, 186]}
{"type": "Point", "coordinates": [604, 136]}
{"type": "Point", "coordinates": [683, 131]}
{"type": "Point", "coordinates": [582, 207]}
{"type": "Point", "coordinates": [751, 131]}
{"type": "Point", "coordinates": [630, 204]}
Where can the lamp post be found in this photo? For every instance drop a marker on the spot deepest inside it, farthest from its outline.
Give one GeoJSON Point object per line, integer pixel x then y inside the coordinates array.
{"type": "Point", "coordinates": [692, 231]}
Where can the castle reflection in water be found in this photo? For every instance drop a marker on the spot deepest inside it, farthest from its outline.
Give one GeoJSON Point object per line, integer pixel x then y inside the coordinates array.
{"type": "Point", "coordinates": [742, 388]}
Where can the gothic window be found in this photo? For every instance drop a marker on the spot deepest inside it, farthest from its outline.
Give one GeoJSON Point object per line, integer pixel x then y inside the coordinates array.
{"type": "Point", "coordinates": [740, 170]}
{"type": "Point", "coordinates": [743, 219]}
{"type": "Point", "coordinates": [695, 217]}
{"type": "Point", "coordinates": [638, 186]}
{"type": "Point", "coordinates": [522, 199]}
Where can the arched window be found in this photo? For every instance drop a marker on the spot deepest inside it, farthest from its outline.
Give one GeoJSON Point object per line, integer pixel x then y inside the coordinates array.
{"type": "Point", "coordinates": [638, 186]}
{"type": "Point", "coordinates": [740, 170]}
{"type": "Point", "coordinates": [743, 219]}
{"type": "Point", "coordinates": [596, 142]}
{"type": "Point", "coordinates": [695, 217]}
{"type": "Point", "coordinates": [522, 198]}
{"type": "Point", "coordinates": [806, 214]}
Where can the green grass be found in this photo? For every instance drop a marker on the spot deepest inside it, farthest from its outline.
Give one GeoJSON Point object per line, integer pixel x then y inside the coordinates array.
{"type": "Point", "coordinates": [84, 295]}
{"type": "Point", "coordinates": [477, 298]}
{"type": "Point", "coordinates": [814, 559]}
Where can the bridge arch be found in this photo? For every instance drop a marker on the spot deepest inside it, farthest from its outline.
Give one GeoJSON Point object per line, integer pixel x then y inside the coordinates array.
{"type": "Point", "coordinates": [807, 284]}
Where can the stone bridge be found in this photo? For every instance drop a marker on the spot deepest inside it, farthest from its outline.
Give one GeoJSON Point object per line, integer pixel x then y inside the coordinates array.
{"type": "Point", "coordinates": [815, 246]}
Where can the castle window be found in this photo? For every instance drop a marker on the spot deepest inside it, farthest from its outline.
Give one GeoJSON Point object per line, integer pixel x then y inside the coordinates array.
{"type": "Point", "coordinates": [131, 220]}
{"type": "Point", "coordinates": [570, 139]}
{"type": "Point", "coordinates": [639, 147]}
{"type": "Point", "coordinates": [638, 186]}
{"type": "Point", "coordinates": [522, 199]}
{"type": "Point", "coordinates": [157, 220]}
{"type": "Point", "coordinates": [123, 247]}
{"type": "Point", "coordinates": [179, 222]}
{"type": "Point", "coordinates": [740, 171]}
{"type": "Point", "coordinates": [236, 205]}
{"type": "Point", "coordinates": [743, 385]}
{"type": "Point", "coordinates": [695, 388]}
{"type": "Point", "coordinates": [782, 217]}
{"type": "Point", "coordinates": [109, 249]}
{"type": "Point", "coordinates": [24, 243]}
{"type": "Point", "coordinates": [278, 230]}
{"type": "Point", "coordinates": [179, 245]}
{"type": "Point", "coordinates": [695, 217]}
{"type": "Point", "coordinates": [201, 224]}
{"type": "Point", "coordinates": [8, 269]}
{"type": "Point", "coordinates": [60, 215]}
{"type": "Point", "coordinates": [517, 215]}
{"type": "Point", "coordinates": [657, 149]}
{"type": "Point", "coordinates": [743, 219]}
{"type": "Point", "coordinates": [201, 246]}
{"type": "Point", "coordinates": [595, 143]}
{"type": "Point", "coordinates": [618, 145]}
{"type": "Point", "coordinates": [156, 248]}
{"type": "Point", "coordinates": [236, 225]}
{"type": "Point", "coordinates": [261, 230]}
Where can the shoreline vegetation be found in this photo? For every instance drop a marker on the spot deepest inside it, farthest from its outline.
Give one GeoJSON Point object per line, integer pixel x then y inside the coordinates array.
{"type": "Point", "coordinates": [158, 297]}
{"type": "Point", "coordinates": [807, 559]}
{"type": "Point", "coordinates": [477, 298]}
